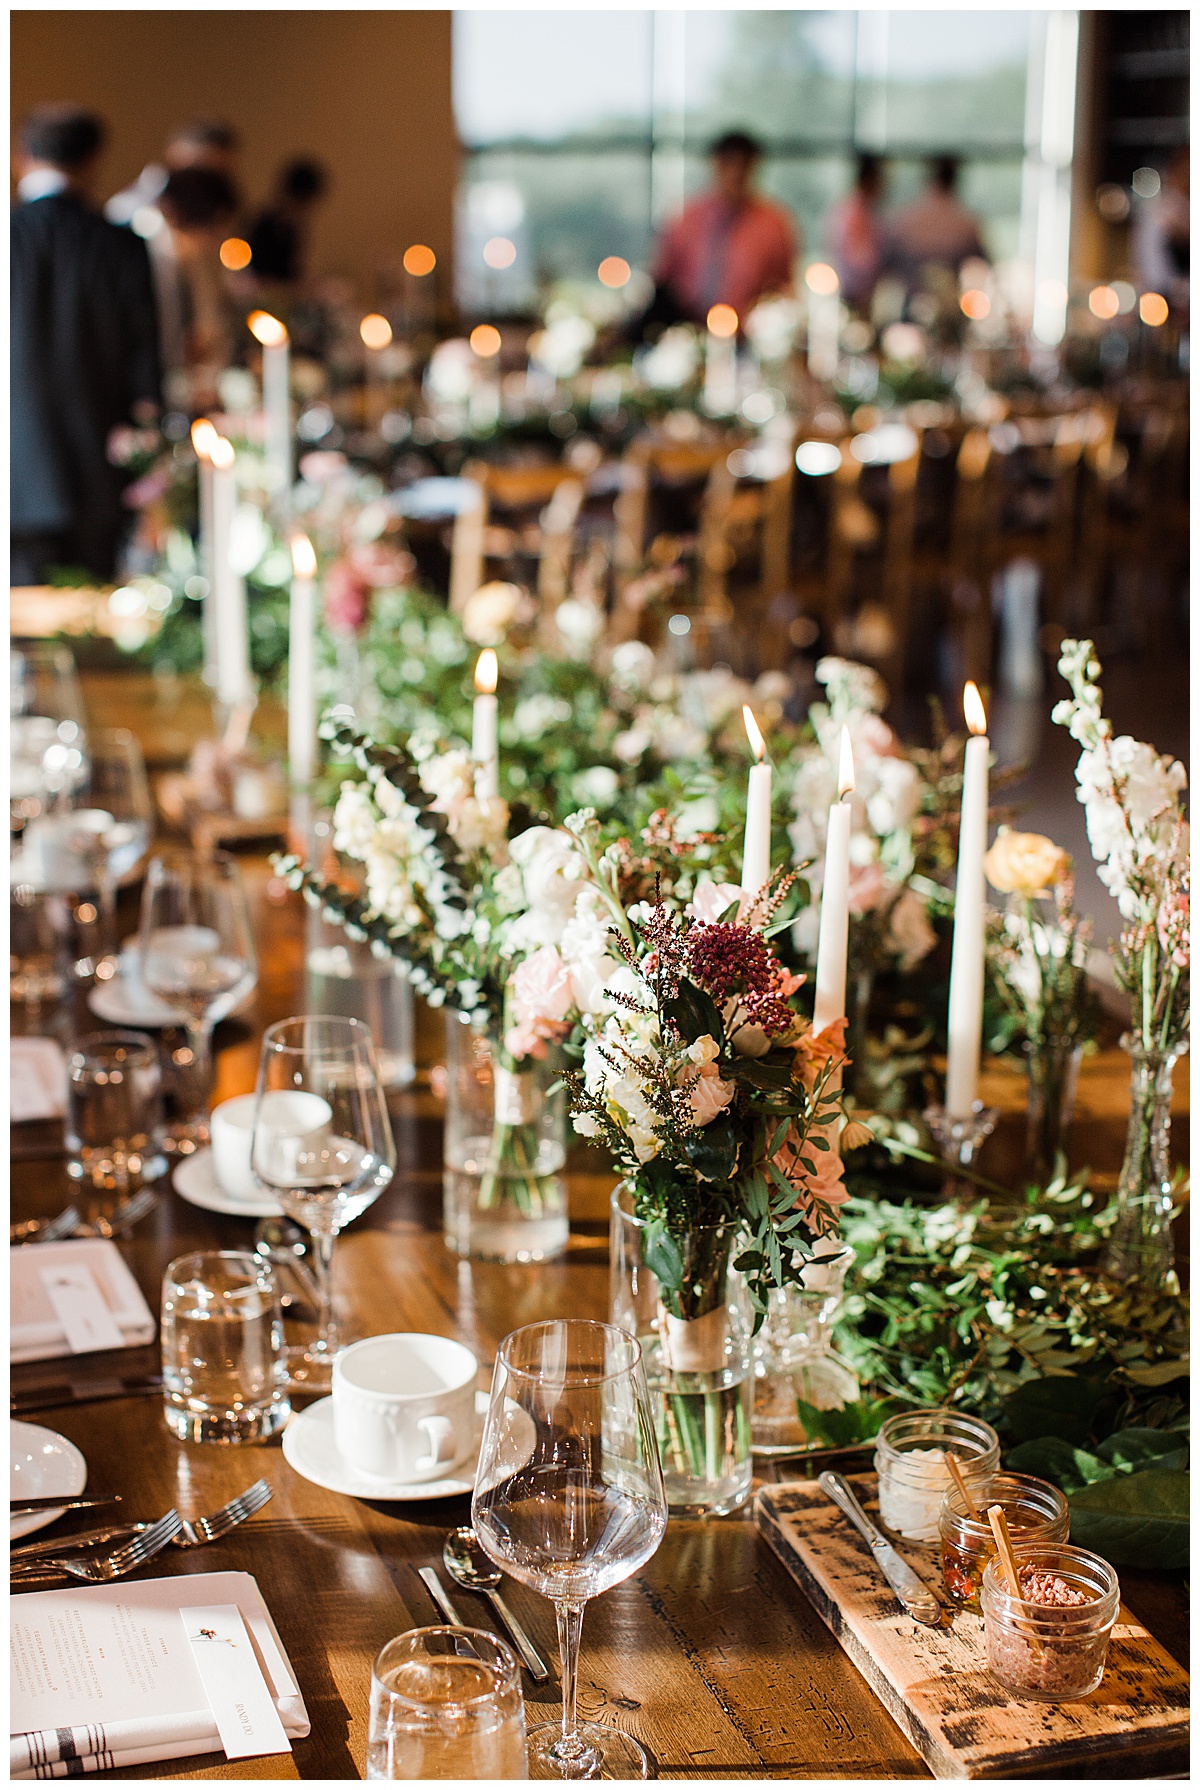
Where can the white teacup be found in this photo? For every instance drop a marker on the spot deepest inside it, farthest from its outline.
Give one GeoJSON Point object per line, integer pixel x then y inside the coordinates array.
{"type": "Point", "coordinates": [404, 1406]}
{"type": "Point", "coordinates": [293, 1116]}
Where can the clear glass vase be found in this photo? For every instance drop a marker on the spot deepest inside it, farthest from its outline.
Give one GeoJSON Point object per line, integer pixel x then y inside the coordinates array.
{"type": "Point", "coordinates": [797, 1372]}
{"type": "Point", "coordinates": [504, 1196]}
{"type": "Point", "coordinates": [1053, 1068]}
{"type": "Point", "coordinates": [1140, 1245]}
{"type": "Point", "coordinates": [697, 1359]}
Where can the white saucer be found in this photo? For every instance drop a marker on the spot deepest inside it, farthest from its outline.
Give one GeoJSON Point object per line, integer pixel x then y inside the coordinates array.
{"type": "Point", "coordinates": [308, 1447]}
{"type": "Point", "coordinates": [41, 1463]}
{"type": "Point", "coordinates": [195, 1180]}
{"type": "Point", "coordinates": [126, 1001]}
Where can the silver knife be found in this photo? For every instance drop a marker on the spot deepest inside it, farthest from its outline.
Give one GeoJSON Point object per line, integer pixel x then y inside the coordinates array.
{"type": "Point", "coordinates": [920, 1602]}
{"type": "Point", "coordinates": [28, 1507]}
{"type": "Point", "coordinates": [437, 1592]}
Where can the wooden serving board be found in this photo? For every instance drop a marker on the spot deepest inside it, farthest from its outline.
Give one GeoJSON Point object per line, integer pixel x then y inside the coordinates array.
{"type": "Point", "coordinates": [934, 1683]}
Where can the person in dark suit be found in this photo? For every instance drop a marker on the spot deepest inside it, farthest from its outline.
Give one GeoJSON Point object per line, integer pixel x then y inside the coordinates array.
{"type": "Point", "coordinates": [85, 356]}
{"type": "Point", "coordinates": [278, 237]}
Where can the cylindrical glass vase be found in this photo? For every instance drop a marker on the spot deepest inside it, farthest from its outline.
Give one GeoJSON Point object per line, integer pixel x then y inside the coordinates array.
{"type": "Point", "coordinates": [696, 1352]}
{"type": "Point", "coordinates": [345, 980]}
{"type": "Point", "coordinates": [504, 1196]}
{"type": "Point", "coordinates": [1140, 1245]}
{"type": "Point", "coordinates": [1053, 1065]}
{"type": "Point", "coordinates": [797, 1372]}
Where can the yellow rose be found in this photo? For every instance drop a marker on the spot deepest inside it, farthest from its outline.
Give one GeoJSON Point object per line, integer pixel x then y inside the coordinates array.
{"type": "Point", "coordinates": [1026, 863]}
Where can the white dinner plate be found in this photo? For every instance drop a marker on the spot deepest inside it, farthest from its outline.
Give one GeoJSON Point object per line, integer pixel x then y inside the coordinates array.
{"type": "Point", "coordinates": [195, 1180]}
{"type": "Point", "coordinates": [41, 1463]}
{"type": "Point", "coordinates": [308, 1446]}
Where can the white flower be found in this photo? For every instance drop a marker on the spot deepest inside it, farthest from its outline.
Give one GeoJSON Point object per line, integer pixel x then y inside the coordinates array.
{"type": "Point", "coordinates": [910, 936]}
{"type": "Point", "coordinates": [896, 798]}
{"type": "Point", "coordinates": [598, 787]}
{"type": "Point", "coordinates": [711, 899]}
{"type": "Point", "coordinates": [580, 625]}
{"type": "Point", "coordinates": [552, 873]}
{"type": "Point", "coordinates": [538, 712]}
{"type": "Point", "coordinates": [629, 745]}
{"type": "Point", "coordinates": [632, 664]}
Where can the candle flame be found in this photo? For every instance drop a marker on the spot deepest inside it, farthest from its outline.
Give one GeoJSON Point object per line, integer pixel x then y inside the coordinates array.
{"type": "Point", "coordinates": [267, 329]}
{"type": "Point", "coordinates": [221, 452]}
{"type": "Point", "coordinates": [722, 320]}
{"type": "Point", "coordinates": [845, 765]}
{"type": "Point", "coordinates": [973, 708]}
{"type": "Point", "coordinates": [304, 560]}
{"type": "Point", "coordinates": [753, 733]}
{"type": "Point", "coordinates": [203, 436]}
{"type": "Point", "coordinates": [486, 672]}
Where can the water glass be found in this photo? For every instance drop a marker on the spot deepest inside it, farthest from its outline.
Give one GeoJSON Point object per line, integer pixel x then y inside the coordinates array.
{"type": "Point", "coordinates": [446, 1703]}
{"type": "Point", "coordinates": [114, 1112]}
{"type": "Point", "coordinates": [36, 967]}
{"type": "Point", "coordinates": [47, 730]}
{"type": "Point", "coordinates": [223, 1356]}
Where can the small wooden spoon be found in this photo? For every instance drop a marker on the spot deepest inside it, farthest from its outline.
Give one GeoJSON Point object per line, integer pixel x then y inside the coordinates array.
{"type": "Point", "coordinates": [956, 1474]}
{"type": "Point", "coordinates": [1004, 1548]}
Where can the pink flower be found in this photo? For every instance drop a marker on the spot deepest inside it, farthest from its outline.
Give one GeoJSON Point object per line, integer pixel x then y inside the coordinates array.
{"type": "Point", "coordinates": [708, 1094]}
{"type": "Point", "coordinates": [347, 598]}
{"type": "Point", "coordinates": [148, 489]}
{"type": "Point", "coordinates": [381, 564]}
{"type": "Point", "coordinates": [710, 901]}
{"type": "Point", "coordinates": [868, 887]}
{"type": "Point", "coordinates": [322, 465]}
{"type": "Point", "coordinates": [540, 1000]}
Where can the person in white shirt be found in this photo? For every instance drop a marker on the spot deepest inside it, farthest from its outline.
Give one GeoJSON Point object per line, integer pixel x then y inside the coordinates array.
{"type": "Point", "coordinates": [201, 143]}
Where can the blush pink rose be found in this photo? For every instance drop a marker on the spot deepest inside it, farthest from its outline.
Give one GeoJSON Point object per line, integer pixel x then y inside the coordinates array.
{"type": "Point", "coordinates": [347, 598]}
{"type": "Point", "coordinates": [707, 1093]}
{"type": "Point", "coordinates": [381, 564]}
{"type": "Point", "coordinates": [868, 887]}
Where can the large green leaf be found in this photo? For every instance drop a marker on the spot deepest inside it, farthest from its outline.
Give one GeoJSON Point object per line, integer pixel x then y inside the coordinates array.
{"type": "Point", "coordinates": [713, 1151]}
{"type": "Point", "coordinates": [1061, 1405]}
{"type": "Point", "coordinates": [1158, 1373]}
{"type": "Point", "coordinates": [856, 1422]}
{"type": "Point", "coordinates": [1132, 1448]}
{"type": "Point", "coordinates": [1135, 1519]}
{"type": "Point", "coordinates": [694, 1014]}
{"type": "Point", "coordinates": [1049, 1457]}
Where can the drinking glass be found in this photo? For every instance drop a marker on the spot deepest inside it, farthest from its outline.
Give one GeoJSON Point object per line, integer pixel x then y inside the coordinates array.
{"type": "Point", "coordinates": [322, 1146]}
{"type": "Point", "coordinates": [569, 1498]}
{"type": "Point", "coordinates": [114, 1112]}
{"type": "Point", "coordinates": [197, 954]}
{"type": "Point", "coordinates": [223, 1357]}
{"type": "Point", "coordinates": [446, 1703]}
{"type": "Point", "coordinates": [47, 730]}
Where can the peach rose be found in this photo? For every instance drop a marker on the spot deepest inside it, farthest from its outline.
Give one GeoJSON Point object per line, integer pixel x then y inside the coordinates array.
{"type": "Point", "coordinates": [1026, 863]}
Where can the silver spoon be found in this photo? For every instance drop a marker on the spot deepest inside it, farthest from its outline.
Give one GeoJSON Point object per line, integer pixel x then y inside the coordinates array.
{"type": "Point", "coordinates": [470, 1567]}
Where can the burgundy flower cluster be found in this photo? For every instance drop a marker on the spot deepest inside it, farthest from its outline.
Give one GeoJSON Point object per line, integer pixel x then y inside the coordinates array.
{"type": "Point", "coordinates": [730, 962]}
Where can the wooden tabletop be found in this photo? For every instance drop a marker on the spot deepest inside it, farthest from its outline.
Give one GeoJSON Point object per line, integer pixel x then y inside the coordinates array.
{"type": "Point", "coordinates": [711, 1655]}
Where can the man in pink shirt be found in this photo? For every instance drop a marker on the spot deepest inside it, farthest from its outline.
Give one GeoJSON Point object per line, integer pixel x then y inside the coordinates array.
{"type": "Point", "coordinates": [729, 246]}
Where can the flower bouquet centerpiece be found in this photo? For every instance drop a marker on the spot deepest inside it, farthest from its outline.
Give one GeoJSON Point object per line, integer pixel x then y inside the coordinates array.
{"type": "Point", "coordinates": [1133, 798]}
{"type": "Point", "coordinates": [720, 1108]}
{"type": "Point", "coordinates": [1038, 952]}
{"type": "Point", "coordinates": [438, 890]}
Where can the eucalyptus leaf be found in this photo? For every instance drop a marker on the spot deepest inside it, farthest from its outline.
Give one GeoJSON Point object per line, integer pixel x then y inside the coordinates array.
{"type": "Point", "coordinates": [1135, 1519]}
{"type": "Point", "coordinates": [1158, 1373]}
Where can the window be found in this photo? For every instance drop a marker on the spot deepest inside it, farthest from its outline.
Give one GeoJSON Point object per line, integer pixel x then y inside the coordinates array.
{"type": "Point", "coordinates": [584, 130]}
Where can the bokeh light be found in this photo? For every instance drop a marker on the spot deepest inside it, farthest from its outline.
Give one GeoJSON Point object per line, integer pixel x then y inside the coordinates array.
{"type": "Point", "coordinates": [1153, 309]}
{"type": "Point", "coordinates": [613, 271]}
{"type": "Point", "coordinates": [975, 304]}
{"type": "Point", "coordinates": [722, 320]}
{"type": "Point", "coordinates": [419, 260]}
{"type": "Point", "coordinates": [234, 253]}
{"type": "Point", "coordinates": [821, 278]}
{"type": "Point", "coordinates": [498, 251]}
{"type": "Point", "coordinates": [485, 340]}
{"type": "Point", "coordinates": [375, 330]}
{"type": "Point", "coordinates": [1103, 302]}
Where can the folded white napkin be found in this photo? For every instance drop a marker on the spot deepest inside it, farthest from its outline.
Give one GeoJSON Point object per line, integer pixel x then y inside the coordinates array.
{"type": "Point", "coordinates": [35, 1332]}
{"type": "Point", "coordinates": [37, 1080]}
{"type": "Point", "coordinates": [136, 1667]}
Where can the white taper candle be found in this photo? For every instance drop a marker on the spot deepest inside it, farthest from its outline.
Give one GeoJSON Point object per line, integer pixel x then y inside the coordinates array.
{"type": "Point", "coordinates": [965, 1021]}
{"type": "Point", "coordinates": [756, 844]}
{"type": "Point", "coordinates": [302, 695]}
{"type": "Point", "coordinates": [484, 741]}
{"type": "Point", "coordinates": [833, 935]}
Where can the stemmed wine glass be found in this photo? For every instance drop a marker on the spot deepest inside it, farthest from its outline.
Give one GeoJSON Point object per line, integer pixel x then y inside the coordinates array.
{"type": "Point", "coordinates": [197, 952]}
{"type": "Point", "coordinates": [569, 1498]}
{"type": "Point", "coordinates": [47, 730]}
{"type": "Point", "coordinates": [108, 826]}
{"type": "Point", "coordinates": [323, 1146]}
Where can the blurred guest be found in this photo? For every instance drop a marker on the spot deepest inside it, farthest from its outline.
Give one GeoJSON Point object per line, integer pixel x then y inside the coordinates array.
{"type": "Point", "coordinates": [201, 143]}
{"type": "Point", "coordinates": [730, 246]}
{"type": "Point", "coordinates": [1162, 234]}
{"type": "Point", "coordinates": [278, 237]}
{"type": "Point", "coordinates": [84, 352]}
{"type": "Point", "coordinates": [854, 230]}
{"type": "Point", "coordinates": [935, 232]}
{"type": "Point", "coordinates": [195, 326]}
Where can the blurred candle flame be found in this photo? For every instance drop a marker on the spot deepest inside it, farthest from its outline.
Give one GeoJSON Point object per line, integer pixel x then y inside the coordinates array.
{"type": "Point", "coordinates": [753, 733]}
{"type": "Point", "coordinates": [973, 708]}
{"type": "Point", "coordinates": [486, 672]}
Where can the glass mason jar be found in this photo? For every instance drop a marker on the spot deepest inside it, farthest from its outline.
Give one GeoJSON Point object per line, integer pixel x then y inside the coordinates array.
{"type": "Point", "coordinates": [1049, 1652]}
{"type": "Point", "coordinates": [698, 1363]}
{"type": "Point", "coordinates": [910, 1459]}
{"type": "Point", "coordinates": [1034, 1509]}
{"type": "Point", "coordinates": [1053, 1068]}
{"type": "Point", "coordinates": [504, 1196]}
{"type": "Point", "coordinates": [1140, 1245]}
{"type": "Point", "coordinates": [795, 1364]}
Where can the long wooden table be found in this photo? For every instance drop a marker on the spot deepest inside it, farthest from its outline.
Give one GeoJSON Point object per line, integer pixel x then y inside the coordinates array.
{"type": "Point", "coordinates": [711, 1656]}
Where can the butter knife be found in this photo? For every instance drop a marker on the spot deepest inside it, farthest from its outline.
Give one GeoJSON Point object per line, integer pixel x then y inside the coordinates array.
{"type": "Point", "coordinates": [28, 1507]}
{"type": "Point", "coordinates": [914, 1594]}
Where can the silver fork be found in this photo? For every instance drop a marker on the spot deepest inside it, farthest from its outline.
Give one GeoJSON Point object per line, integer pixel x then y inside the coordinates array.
{"type": "Point", "coordinates": [45, 1230]}
{"type": "Point", "coordinates": [122, 1217]}
{"type": "Point", "coordinates": [34, 1556]}
{"type": "Point", "coordinates": [120, 1562]}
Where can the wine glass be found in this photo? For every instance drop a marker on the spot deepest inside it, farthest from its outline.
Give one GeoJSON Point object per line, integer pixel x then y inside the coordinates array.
{"type": "Point", "coordinates": [569, 1498]}
{"type": "Point", "coordinates": [47, 730]}
{"type": "Point", "coordinates": [108, 826]}
{"type": "Point", "coordinates": [322, 1145]}
{"type": "Point", "coordinates": [197, 954]}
